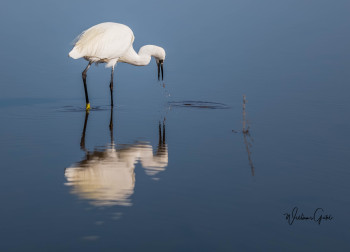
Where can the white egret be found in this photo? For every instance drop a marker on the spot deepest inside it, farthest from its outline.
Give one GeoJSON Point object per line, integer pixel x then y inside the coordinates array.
{"type": "Point", "coordinates": [111, 43]}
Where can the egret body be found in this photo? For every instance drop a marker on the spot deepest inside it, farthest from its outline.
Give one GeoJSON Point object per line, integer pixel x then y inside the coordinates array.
{"type": "Point", "coordinates": [111, 43]}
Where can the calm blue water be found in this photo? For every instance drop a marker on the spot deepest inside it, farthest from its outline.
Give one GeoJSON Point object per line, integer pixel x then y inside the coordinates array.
{"type": "Point", "coordinates": [174, 172]}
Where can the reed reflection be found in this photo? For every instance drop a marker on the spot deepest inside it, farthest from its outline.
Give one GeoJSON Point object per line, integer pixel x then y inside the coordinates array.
{"type": "Point", "coordinates": [106, 176]}
{"type": "Point", "coordinates": [247, 137]}
{"type": "Point", "coordinates": [248, 144]}
{"type": "Point", "coordinates": [248, 140]}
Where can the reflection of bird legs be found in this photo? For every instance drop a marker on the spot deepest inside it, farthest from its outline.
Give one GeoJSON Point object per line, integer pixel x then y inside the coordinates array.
{"type": "Point", "coordinates": [82, 140]}
{"type": "Point", "coordinates": [161, 138]}
{"type": "Point", "coordinates": [111, 125]}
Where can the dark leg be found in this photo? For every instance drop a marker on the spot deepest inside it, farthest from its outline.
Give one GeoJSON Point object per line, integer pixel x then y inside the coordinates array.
{"type": "Point", "coordinates": [82, 140]}
{"type": "Point", "coordinates": [159, 135]}
{"type": "Point", "coordinates": [85, 87]}
{"type": "Point", "coordinates": [111, 86]}
{"type": "Point", "coordinates": [163, 132]}
{"type": "Point", "coordinates": [158, 67]}
{"type": "Point", "coordinates": [111, 125]}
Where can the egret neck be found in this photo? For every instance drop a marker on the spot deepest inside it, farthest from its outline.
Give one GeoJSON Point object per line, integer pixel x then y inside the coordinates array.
{"type": "Point", "coordinates": [144, 56]}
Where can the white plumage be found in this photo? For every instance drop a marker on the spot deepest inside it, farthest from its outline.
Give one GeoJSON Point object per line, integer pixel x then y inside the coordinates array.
{"type": "Point", "coordinates": [103, 42]}
{"type": "Point", "coordinates": [109, 43]}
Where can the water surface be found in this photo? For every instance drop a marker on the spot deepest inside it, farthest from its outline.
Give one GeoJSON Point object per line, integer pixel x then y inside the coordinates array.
{"type": "Point", "coordinates": [176, 165]}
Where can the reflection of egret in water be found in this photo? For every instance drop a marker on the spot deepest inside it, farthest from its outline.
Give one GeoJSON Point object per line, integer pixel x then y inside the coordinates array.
{"type": "Point", "coordinates": [106, 176]}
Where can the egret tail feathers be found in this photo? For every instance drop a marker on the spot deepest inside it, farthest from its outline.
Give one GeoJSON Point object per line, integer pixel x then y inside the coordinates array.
{"type": "Point", "coordinates": [75, 54]}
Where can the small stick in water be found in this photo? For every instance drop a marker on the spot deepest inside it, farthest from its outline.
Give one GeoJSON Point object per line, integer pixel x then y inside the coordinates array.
{"type": "Point", "coordinates": [244, 119]}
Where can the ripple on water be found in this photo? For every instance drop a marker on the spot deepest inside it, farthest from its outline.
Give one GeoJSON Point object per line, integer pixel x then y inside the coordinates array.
{"type": "Point", "coordinates": [198, 104]}
{"type": "Point", "coordinates": [80, 108]}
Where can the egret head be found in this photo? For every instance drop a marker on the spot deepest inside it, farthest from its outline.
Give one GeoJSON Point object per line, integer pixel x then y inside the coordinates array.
{"type": "Point", "coordinates": [159, 55]}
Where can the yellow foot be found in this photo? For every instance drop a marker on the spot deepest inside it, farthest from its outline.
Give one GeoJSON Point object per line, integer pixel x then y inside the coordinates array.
{"type": "Point", "coordinates": [88, 106]}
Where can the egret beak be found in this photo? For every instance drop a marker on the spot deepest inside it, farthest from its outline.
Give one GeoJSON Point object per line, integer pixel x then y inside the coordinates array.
{"type": "Point", "coordinates": [158, 66]}
{"type": "Point", "coordinates": [160, 69]}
